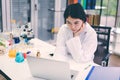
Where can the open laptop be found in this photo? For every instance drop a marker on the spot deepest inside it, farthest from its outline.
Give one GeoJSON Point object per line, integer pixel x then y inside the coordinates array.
{"type": "Point", "coordinates": [50, 69]}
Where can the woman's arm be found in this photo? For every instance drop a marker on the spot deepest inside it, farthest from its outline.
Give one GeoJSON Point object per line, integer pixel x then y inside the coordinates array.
{"type": "Point", "coordinates": [82, 52]}
{"type": "Point", "coordinates": [61, 39]}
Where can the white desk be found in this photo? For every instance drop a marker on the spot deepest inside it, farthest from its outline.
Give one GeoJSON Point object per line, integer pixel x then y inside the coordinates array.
{"type": "Point", "coordinates": [20, 71]}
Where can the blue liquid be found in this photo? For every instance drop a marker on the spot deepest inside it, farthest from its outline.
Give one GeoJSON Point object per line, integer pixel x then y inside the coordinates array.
{"type": "Point", "coordinates": [16, 40]}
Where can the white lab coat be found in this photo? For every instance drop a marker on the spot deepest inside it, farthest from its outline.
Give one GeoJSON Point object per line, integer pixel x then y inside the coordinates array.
{"type": "Point", "coordinates": [80, 48]}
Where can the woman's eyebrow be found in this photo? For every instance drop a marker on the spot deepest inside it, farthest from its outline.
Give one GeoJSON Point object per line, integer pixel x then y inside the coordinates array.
{"type": "Point", "coordinates": [68, 21]}
{"type": "Point", "coordinates": [76, 22]}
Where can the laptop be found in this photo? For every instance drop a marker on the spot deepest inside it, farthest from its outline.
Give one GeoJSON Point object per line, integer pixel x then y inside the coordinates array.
{"type": "Point", "coordinates": [49, 69]}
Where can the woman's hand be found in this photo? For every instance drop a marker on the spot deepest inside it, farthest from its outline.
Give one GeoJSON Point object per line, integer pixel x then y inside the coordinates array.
{"type": "Point", "coordinates": [77, 33]}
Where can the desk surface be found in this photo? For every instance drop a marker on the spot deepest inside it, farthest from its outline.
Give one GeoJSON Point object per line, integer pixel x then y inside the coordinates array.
{"type": "Point", "coordinates": [20, 71]}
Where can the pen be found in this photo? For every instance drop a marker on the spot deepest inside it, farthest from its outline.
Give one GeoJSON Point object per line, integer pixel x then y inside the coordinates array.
{"type": "Point", "coordinates": [87, 67]}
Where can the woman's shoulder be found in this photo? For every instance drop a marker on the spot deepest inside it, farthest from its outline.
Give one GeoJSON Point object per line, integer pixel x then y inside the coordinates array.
{"type": "Point", "coordinates": [64, 27]}
{"type": "Point", "coordinates": [89, 27]}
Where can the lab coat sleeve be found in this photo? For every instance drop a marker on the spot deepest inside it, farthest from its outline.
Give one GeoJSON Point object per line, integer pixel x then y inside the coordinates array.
{"type": "Point", "coordinates": [60, 44]}
{"type": "Point", "coordinates": [82, 52]}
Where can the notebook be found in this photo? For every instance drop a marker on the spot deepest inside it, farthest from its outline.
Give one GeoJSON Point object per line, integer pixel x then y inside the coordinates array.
{"type": "Point", "coordinates": [104, 73]}
{"type": "Point", "coordinates": [50, 69]}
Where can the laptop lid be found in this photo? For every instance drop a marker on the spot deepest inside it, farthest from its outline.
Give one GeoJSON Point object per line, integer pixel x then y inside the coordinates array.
{"type": "Point", "coordinates": [49, 69]}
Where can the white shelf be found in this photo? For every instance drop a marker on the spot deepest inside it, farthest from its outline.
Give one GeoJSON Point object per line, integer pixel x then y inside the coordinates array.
{"type": "Point", "coordinates": [91, 11]}
{"type": "Point", "coordinates": [99, 7]}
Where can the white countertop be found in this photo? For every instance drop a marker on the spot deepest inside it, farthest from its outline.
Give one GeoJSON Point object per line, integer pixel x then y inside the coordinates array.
{"type": "Point", "coordinates": [20, 71]}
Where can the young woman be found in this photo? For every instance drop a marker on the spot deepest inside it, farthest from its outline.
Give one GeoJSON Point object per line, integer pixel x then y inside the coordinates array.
{"type": "Point", "coordinates": [76, 38]}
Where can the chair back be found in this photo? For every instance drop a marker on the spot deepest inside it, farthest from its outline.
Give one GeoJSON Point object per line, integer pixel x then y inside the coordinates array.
{"type": "Point", "coordinates": [103, 36]}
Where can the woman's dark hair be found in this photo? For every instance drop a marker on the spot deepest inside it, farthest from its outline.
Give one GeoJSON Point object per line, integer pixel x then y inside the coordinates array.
{"type": "Point", "coordinates": [75, 11]}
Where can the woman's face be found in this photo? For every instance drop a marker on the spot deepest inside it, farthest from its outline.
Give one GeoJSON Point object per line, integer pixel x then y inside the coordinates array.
{"type": "Point", "coordinates": [74, 24]}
